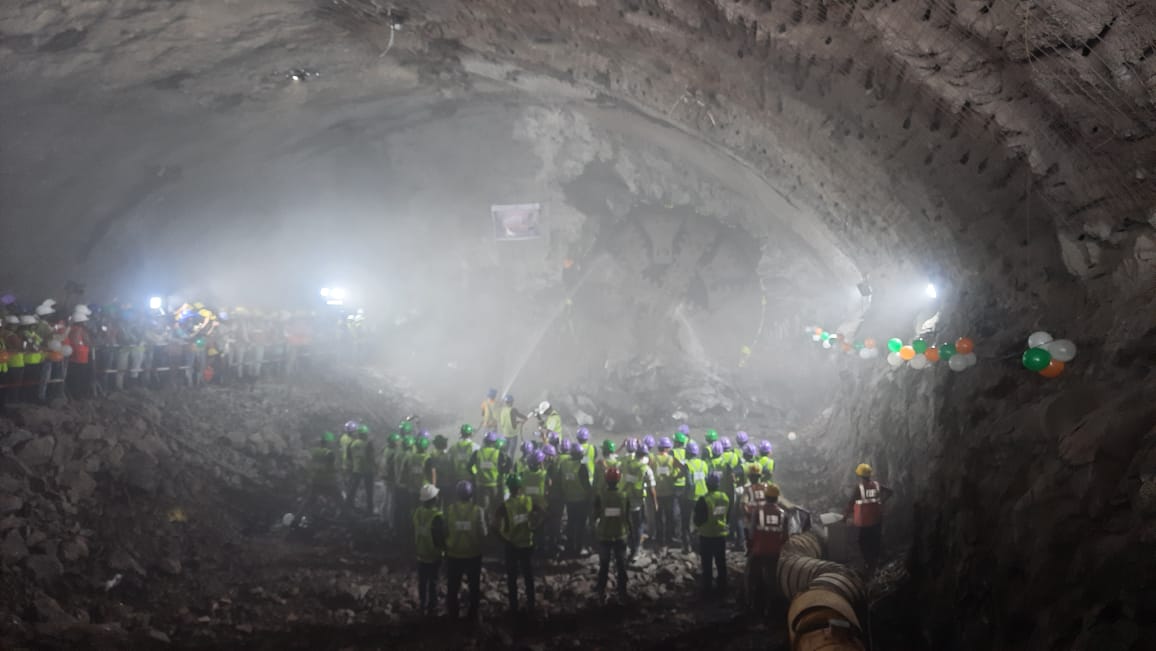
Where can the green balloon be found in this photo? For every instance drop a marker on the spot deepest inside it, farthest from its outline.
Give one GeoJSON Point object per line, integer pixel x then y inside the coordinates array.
{"type": "Point", "coordinates": [946, 351]}
{"type": "Point", "coordinates": [894, 344]}
{"type": "Point", "coordinates": [825, 336]}
{"type": "Point", "coordinates": [1036, 359]}
{"type": "Point", "coordinates": [858, 345]}
{"type": "Point", "coordinates": [919, 345]}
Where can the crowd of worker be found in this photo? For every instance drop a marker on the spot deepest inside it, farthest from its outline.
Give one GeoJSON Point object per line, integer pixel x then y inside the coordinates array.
{"type": "Point", "coordinates": [549, 496]}
{"type": "Point", "coordinates": [80, 350]}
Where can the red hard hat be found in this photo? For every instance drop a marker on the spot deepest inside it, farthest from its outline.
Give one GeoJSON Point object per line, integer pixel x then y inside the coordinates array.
{"type": "Point", "coordinates": [613, 474]}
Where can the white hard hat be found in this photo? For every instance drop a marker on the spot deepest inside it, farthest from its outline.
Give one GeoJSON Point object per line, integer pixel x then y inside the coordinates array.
{"type": "Point", "coordinates": [544, 407]}
{"type": "Point", "coordinates": [14, 320]}
{"type": "Point", "coordinates": [83, 309]}
{"type": "Point", "coordinates": [44, 310]}
{"type": "Point", "coordinates": [79, 317]}
{"type": "Point", "coordinates": [27, 319]}
{"type": "Point", "coordinates": [428, 492]}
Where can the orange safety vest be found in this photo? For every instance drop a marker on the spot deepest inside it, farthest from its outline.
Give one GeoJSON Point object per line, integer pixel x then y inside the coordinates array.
{"type": "Point", "coordinates": [770, 530]}
{"type": "Point", "coordinates": [78, 335]}
{"type": "Point", "coordinates": [868, 510]}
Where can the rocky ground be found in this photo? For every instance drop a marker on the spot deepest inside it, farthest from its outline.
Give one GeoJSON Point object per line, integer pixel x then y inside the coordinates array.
{"type": "Point", "coordinates": [151, 519]}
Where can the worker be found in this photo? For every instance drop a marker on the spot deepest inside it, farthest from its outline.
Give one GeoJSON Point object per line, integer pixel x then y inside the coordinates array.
{"type": "Point", "coordinates": [429, 530]}
{"type": "Point", "coordinates": [866, 510]}
{"type": "Point", "coordinates": [535, 483]}
{"type": "Point", "coordinates": [766, 534]}
{"type": "Point", "coordinates": [766, 461]}
{"type": "Point", "coordinates": [515, 520]}
{"type": "Point", "coordinates": [462, 451]}
{"type": "Point", "coordinates": [611, 507]}
{"type": "Point", "coordinates": [576, 492]}
{"type": "Point", "coordinates": [348, 433]}
{"type": "Point", "coordinates": [555, 502]}
{"type": "Point", "coordinates": [419, 467]}
{"type": "Point", "coordinates": [443, 470]}
{"type": "Point", "coordinates": [487, 466]}
{"type": "Point", "coordinates": [609, 460]}
{"type": "Point", "coordinates": [322, 478]}
{"type": "Point", "coordinates": [588, 451]}
{"type": "Point", "coordinates": [490, 411]}
{"type": "Point", "coordinates": [666, 473]}
{"type": "Point", "coordinates": [710, 519]}
{"type": "Point", "coordinates": [510, 420]}
{"type": "Point", "coordinates": [467, 532]}
{"type": "Point", "coordinates": [684, 496]}
{"type": "Point", "coordinates": [744, 459]}
{"type": "Point", "coordinates": [528, 450]}
{"type": "Point", "coordinates": [362, 462]}
{"type": "Point", "coordinates": [79, 380]}
{"type": "Point", "coordinates": [404, 503]}
{"type": "Point", "coordinates": [729, 469]}
{"type": "Point", "coordinates": [388, 456]}
{"type": "Point", "coordinates": [549, 420]}
{"type": "Point", "coordinates": [638, 485]}
{"type": "Point", "coordinates": [711, 436]}
{"type": "Point", "coordinates": [696, 471]}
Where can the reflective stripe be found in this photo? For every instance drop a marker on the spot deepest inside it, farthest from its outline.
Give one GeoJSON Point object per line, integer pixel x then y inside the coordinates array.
{"type": "Point", "coordinates": [664, 470]}
{"type": "Point", "coordinates": [611, 513]}
{"type": "Point", "coordinates": [463, 525]}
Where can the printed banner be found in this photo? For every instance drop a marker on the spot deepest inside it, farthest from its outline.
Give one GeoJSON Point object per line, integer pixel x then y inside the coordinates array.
{"type": "Point", "coordinates": [521, 221]}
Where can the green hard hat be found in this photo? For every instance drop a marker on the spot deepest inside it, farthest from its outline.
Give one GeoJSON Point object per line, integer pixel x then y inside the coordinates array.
{"type": "Point", "coordinates": [395, 438]}
{"type": "Point", "coordinates": [514, 482]}
{"type": "Point", "coordinates": [363, 429]}
{"type": "Point", "coordinates": [406, 427]}
{"type": "Point", "coordinates": [407, 441]}
{"type": "Point", "coordinates": [608, 446]}
{"type": "Point", "coordinates": [680, 438]}
{"type": "Point", "coordinates": [467, 430]}
{"type": "Point", "coordinates": [711, 435]}
{"type": "Point", "coordinates": [422, 443]}
{"type": "Point", "coordinates": [328, 437]}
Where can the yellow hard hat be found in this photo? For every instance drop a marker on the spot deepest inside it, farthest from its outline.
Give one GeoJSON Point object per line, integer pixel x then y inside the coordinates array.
{"type": "Point", "coordinates": [772, 490]}
{"type": "Point", "coordinates": [754, 469]}
{"type": "Point", "coordinates": [863, 470]}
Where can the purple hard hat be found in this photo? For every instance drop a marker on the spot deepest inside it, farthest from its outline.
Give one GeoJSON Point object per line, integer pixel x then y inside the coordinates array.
{"type": "Point", "coordinates": [565, 446]}
{"type": "Point", "coordinates": [350, 426]}
{"type": "Point", "coordinates": [550, 451]}
{"type": "Point", "coordinates": [491, 438]}
{"type": "Point", "coordinates": [648, 441]}
{"type": "Point", "coordinates": [576, 451]}
{"type": "Point", "coordinates": [741, 438]}
{"type": "Point", "coordinates": [537, 458]}
{"type": "Point", "coordinates": [665, 443]}
{"type": "Point", "coordinates": [527, 448]}
{"type": "Point", "coordinates": [716, 448]}
{"type": "Point", "coordinates": [692, 449]}
{"type": "Point", "coordinates": [765, 447]}
{"type": "Point", "coordinates": [726, 443]}
{"type": "Point", "coordinates": [424, 434]}
{"type": "Point", "coordinates": [465, 490]}
{"type": "Point", "coordinates": [684, 428]}
{"type": "Point", "coordinates": [630, 445]}
{"type": "Point", "coordinates": [642, 451]}
{"type": "Point", "coordinates": [552, 438]}
{"type": "Point", "coordinates": [749, 451]}
{"type": "Point", "coordinates": [713, 480]}
{"type": "Point", "coordinates": [583, 435]}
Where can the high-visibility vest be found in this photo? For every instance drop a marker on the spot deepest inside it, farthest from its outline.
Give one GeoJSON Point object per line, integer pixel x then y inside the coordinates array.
{"type": "Point", "coordinates": [387, 457]}
{"type": "Point", "coordinates": [573, 490]}
{"type": "Point", "coordinates": [768, 465]}
{"type": "Point", "coordinates": [506, 421]}
{"type": "Point", "coordinates": [534, 485]}
{"type": "Point", "coordinates": [443, 465]}
{"type": "Point", "coordinates": [416, 475]}
{"type": "Point", "coordinates": [717, 506]}
{"type": "Point", "coordinates": [359, 463]}
{"type": "Point", "coordinates": [516, 528]}
{"type": "Point", "coordinates": [697, 471]}
{"type": "Point", "coordinates": [488, 419]}
{"type": "Point", "coordinates": [612, 516]}
{"type": "Point", "coordinates": [588, 452]}
{"type": "Point", "coordinates": [466, 530]}
{"type": "Point", "coordinates": [554, 423]}
{"type": "Point", "coordinates": [321, 466]}
{"type": "Point", "coordinates": [868, 510]}
{"type": "Point", "coordinates": [665, 474]}
{"type": "Point", "coordinates": [770, 530]}
{"type": "Point", "coordinates": [680, 478]}
{"type": "Point", "coordinates": [423, 519]}
{"type": "Point", "coordinates": [632, 476]}
{"type": "Point", "coordinates": [345, 441]}
{"type": "Point", "coordinates": [488, 459]}
{"type": "Point", "coordinates": [400, 460]}
{"type": "Point", "coordinates": [461, 453]}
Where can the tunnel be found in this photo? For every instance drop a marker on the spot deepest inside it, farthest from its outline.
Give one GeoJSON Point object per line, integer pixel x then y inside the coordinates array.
{"type": "Point", "coordinates": [646, 212]}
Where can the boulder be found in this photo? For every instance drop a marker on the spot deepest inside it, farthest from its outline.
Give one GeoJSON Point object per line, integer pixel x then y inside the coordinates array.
{"type": "Point", "coordinates": [10, 522]}
{"type": "Point", "coordinates": [121, 560]}
{"type": "Point", "coordinates": [77, 482]}
{"type": "Point", "coordinates": [45, 567]}
{"type": "Point", "coordinates": [139, 470]}
{"type": "Point", "coordinates": [170, 566]}
{"type": "Point", "coordinates": [91, 433]}
{"type": "Point", "coordinates": [37, 452]}
{"type": "Point", "coordinates": [10, 504]}
{"type": "Point", "coordinates": [74, 550]}
{"type": "Point", "coordinates": [15, 438]}
{"type": "Point", "coordinates": [13, 549]}
{"type": "Point", "coordinates": [51, 618]}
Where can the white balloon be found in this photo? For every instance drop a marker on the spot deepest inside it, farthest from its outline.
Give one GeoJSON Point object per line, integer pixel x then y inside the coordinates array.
{"type": "Point", "coordinates": [864, 353]}
{"type": "Point", "coordinates": [1062, 349]}
{"type": "Point", "coordinates": [815, 337]}
{"type": "Point", "coordinates": [874, 353]}
{"type": "Point", "coordinates": [66, 351]}
{"type": "Point", "coordinates": [827, 344]}
{"type": "Point", "coordinates": [957, 363]}
{"type": "Point", "coordinates": [54, 345]}
{"type": "Point", "coordinates": [791, 436]}
{"type": "Point", "coordinates": [1038, 339]}
{"type": "Point", "coordinates": [894, 359]}
{"type": "Point", "coordinates": [919, 362]}
{"type": "Point", "coordinates": [971, 359]}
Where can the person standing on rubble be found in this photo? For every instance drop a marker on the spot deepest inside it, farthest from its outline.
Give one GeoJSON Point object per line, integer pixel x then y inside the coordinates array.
{"type": "Point", "coordinates": [388, 467]}
{"type": "Point", "coordinates": [510, 420]}
{"type": "Point", "coordinates": [866, 511]}
{"type": "Point", "coordinates": [487, 466]}
{"type": "Point", "coordinates": [362, 462]}
{"type": "Point", "coordinates": [429, 528]}
{"type": "Point", "coordinates": [462, 451]}
{"type": "Point", "coordinates": [515, 520]}
{"type": "Point", "coordinates": [611, 507]}
{"type": "Point", "coordinates": [575, 484]}
{"type": "Point", "coordinates": [766, 533]}
{"type": "Point", "coordinates": [490, 411]}
{"type": "Point", "coordinates": [467, 532]}
{"type": "Point", "coordinates": [666, 473]}
{"type": "Point", "coordinates": [711, 514]}
{"type": "Point", "coordinates": [322, 479]}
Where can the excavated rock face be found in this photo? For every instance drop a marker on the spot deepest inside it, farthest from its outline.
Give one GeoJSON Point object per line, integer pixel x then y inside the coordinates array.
{"type": "Point", "coordinates": [720, 173]}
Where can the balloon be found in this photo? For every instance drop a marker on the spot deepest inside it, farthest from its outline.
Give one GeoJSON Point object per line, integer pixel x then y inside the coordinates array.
{"type": "Point", "coordinates": [957, 363]}
{"type": "Point", "coordinates": [1062, 349]}
{"type": "Point", "coordinates": [970, 358]}
{"type": "Point", "coordinates": [825, 335]}
{"type": "Point", "coordinates": [66, 351]}
{"type": "Point", "coordinates": [869, 343]}
{"type": "Point", "coordinates": [846, 347]}
{"type": "Point", "coordinates": [1036, 359]}
{"type": "Point", "coordinates": [827, 344]}
{"type": "Point", "coordinates": [54, 346]}
{"type": "Point", "coordinates": [858, 345]}
{"type": "Point", "coordinates": [55, 356]}
{"type": "Point", "coordinates": [1038, 339]}
{"type": "Point", "coordinates": [1053, 369]}
{"type": "Point", "coordinates": [964, 345]}
{"type": "Point", "coordinates": [894, 344]}
{"type": "Point", "coordinates": [818, 331]}
{"type": "Point", "coordinates": [874, 353]}
{"type": "Point", "coordinates": [907, 353]}
{"type": "Point", "coordinates": [919, 345]}
{"type": "Point", "coordinates": [814, 337]}
{"type": "Point", "coordinates": [946, 351]}
{"type": "Point", "coordinates": [919, 362]}
{"type": "Point", "coordinates": [865, 353]}
{"type": "Point", "coordinates": [932, 354]}
{"type": "Point", "coordinates": [894, 359]}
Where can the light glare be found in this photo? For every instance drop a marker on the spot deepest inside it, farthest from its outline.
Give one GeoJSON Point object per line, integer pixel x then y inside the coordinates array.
{"type": "Point", "coordinates": [325, 292]}
{"type": "Point", "coordinates": [155, 303]}
{"type": "Point", "coordinates": [931, 293]}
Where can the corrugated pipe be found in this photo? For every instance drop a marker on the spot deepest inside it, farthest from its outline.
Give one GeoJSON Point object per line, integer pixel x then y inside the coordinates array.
{"type": "Point", "coordinates": [825, 598]}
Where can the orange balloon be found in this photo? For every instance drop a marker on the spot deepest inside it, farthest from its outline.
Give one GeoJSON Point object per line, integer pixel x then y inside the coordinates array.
{"type": "Point", "coordinates": [55, 356]}
{"type": "Point", "coordinates": [869, 343]}
{"type": "Point", "coordinates": [846, 347]}
{"type": "Point", "coordinates": [818, 331]}
{"type": "Point", "coordinates": [963, 345]}
{"type": "Point", "coordinates": [932, 354]}
{"type": "Point", "coordinates": [1053, 369]}
{"type": "Point", "coordinates": [907, 353]}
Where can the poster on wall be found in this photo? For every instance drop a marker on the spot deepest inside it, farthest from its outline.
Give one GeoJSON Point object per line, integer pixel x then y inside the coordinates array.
{"type": "Point", "coordinates": [522, 221]}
